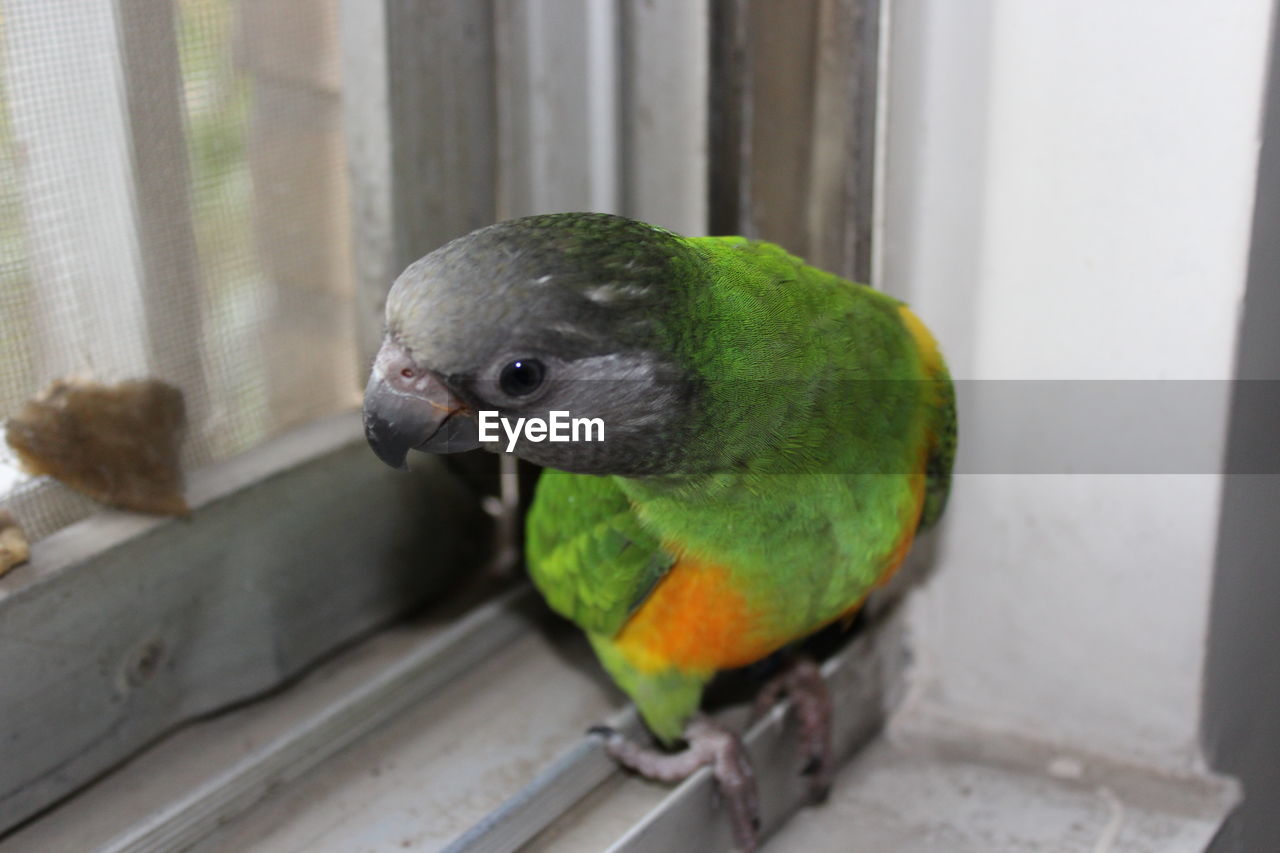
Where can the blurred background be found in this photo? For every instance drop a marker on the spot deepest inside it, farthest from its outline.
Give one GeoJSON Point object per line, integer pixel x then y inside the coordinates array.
{"type": "Point", "coordinates": [175, 205]}
{"type": "Point", "coordinates": [219, 193]}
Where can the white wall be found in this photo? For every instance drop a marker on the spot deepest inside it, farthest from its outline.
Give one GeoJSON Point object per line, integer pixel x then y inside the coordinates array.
{"type": "Point", "coordinates": [1069, 193]}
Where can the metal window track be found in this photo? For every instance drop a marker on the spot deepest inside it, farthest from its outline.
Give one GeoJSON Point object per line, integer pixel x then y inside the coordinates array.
{"type": "Point", "coordinates": [688, 818]}
{"type": "Point", "coordinates": [411, 679]}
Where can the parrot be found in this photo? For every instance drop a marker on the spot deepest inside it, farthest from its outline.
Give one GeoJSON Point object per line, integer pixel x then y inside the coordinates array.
{"type": "Point", "coordinates": [774, 437]}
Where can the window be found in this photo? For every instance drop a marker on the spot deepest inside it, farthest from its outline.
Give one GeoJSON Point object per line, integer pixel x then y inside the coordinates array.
{"type": "Point", "coordinates": [175, 205]}
{"type": "Point", "coordinates": [220, 192]}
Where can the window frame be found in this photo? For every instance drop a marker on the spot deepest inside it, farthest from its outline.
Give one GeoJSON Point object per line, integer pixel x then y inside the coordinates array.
{"type": "Point", "coordinates": [436, 95]}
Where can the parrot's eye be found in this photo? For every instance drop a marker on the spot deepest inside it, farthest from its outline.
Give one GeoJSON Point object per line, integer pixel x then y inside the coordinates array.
{"type": "Point", "coordinates": [523, 377]}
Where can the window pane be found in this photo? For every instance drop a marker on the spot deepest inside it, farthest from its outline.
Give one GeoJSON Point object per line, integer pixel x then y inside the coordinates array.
{"type": "Point", "coordinates": [173, 203]}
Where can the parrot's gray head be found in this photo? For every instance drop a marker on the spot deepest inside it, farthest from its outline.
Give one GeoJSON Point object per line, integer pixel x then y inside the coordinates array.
{"type": "Point", "coordinates": [572, 313]}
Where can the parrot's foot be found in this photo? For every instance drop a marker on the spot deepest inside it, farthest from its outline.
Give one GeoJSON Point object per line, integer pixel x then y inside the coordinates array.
{"type": "Point", "coordinates": [709, 744]}
{"type": "Point", "coordinates": [802, 682]}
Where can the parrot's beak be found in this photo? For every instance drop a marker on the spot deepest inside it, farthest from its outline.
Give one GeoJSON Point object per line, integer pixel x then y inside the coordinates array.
{"type": "Point", "coordinates": [409, 408]}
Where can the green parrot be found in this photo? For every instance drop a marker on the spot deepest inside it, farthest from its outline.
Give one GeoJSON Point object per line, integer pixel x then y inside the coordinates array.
{"type": "Point", "coordinates": [774, 436]}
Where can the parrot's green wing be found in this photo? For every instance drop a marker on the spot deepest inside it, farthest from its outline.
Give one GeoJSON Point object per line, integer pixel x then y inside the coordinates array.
{"type": "Point", "coordinates": [588, 553]}
{"type": "Point", "coordinates": [942, 454]}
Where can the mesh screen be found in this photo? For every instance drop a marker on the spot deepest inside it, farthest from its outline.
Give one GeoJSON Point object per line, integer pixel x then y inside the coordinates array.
{"type": "Point", "coordinates": [173, 204]}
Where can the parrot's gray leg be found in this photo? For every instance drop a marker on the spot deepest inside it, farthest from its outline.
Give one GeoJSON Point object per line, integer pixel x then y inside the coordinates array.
{"type": "Point", "coordinates": [504, 509]}
{"type": "Point", "coordinates": [709, 744]}
{"type": "Point", "coordinates": [803, 683]}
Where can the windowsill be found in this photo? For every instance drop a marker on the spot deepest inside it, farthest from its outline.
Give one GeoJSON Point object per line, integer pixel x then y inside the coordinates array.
{"type": "Point", "coordinates": [413, 738]}
{"type": "Point", "coordinates": [123, 627]}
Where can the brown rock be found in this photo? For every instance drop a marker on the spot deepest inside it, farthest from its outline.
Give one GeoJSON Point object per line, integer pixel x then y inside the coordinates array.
{"type": "Point", "coordinates": [118, 444]}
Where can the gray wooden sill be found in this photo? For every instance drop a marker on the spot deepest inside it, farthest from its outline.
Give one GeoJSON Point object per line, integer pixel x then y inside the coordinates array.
{"type": "Point", "coordinates": [122, 627]}
{"type": "Point", "coordinates": [468, 735]}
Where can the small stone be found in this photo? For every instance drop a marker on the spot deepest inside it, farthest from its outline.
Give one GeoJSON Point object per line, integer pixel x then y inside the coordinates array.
{"type": "Point", "coordinates": [14, 550]}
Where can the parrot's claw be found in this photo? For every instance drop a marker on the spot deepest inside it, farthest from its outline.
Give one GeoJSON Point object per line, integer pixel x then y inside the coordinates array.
{"type": "Point", "coordinates": [803, 683]}
{"type": "Point", "coordinates": [709, 744]}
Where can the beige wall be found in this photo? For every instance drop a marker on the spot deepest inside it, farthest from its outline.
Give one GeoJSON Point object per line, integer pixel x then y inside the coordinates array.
{"type": "Point", "coordinates": [1069, 193]}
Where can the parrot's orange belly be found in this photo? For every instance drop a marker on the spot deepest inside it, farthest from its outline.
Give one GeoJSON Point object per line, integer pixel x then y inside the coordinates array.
{"type": "Point", "coordinates": [695, 619]}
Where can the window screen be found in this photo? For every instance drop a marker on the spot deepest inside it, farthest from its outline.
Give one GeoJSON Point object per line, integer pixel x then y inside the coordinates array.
{"type": "Point", "coordinates": [173, 204]}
